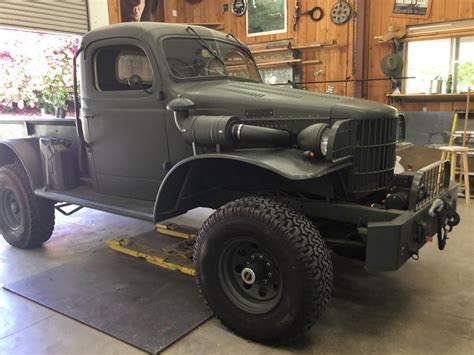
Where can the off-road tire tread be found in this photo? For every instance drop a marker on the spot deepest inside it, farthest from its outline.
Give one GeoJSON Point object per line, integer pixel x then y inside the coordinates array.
{"type": "Point", "coordinates": [40, 211]}
{"type": "Point", "coordinates": [307, 242]}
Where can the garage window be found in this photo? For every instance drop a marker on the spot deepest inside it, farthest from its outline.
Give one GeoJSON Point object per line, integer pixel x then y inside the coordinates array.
{"type": "Point", "coordinates": [439, 58]}
{"type": "Point", "coordinates": [115, 65]}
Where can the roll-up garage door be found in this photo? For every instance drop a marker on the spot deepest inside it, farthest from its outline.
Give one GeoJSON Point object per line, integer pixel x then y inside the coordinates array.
{"type": "Point", "coordinates": [47, 15]}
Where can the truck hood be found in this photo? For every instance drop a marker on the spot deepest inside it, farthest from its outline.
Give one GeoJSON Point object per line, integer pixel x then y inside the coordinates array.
{"type": "Point", "coordinates": [256, 100]}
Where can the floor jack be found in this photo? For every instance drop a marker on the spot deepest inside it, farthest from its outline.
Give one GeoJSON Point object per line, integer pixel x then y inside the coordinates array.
{"type": "Point", "coordinates": [178, 256]}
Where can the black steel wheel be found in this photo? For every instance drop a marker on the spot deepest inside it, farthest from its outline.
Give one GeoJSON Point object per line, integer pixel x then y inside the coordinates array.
{"type": "Point", "coordinates": [26, 221]}
{"type": "Point", "coordinates": [10, 209]}
{"type": "Point", "coordinates": [263, 268]}
{"type": "Point", "coordinates": [249, 276]}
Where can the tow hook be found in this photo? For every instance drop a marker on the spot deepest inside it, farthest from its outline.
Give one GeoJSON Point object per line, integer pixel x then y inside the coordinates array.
{"type": "Point", "coordinates": [437, 206]}
{"type": "Point", "coordinates": [446, 220]}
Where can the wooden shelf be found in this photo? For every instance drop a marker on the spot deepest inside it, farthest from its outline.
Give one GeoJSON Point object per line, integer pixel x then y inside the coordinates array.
{"type": "Point", "coordinates": [428, 97]}
{"type": "Point", "coordinates": [279, 63]}
{"type": "Point", "coordinates": [331, 43]}
{"type": "Point", "coordinates": [270, 50]}
{"type": "Point", "coordinates": [290, 47]}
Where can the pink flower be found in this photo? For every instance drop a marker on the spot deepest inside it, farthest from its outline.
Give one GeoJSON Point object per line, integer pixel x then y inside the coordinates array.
{"type": "Point", "coordinates": [6, 56]}
{"type": "Point", "coordinates": [73, 50]}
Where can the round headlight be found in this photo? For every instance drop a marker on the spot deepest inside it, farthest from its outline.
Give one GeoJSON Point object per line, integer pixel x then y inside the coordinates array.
{"type": "Point", "coordinates": [323, 144]}
{"type": "Point", "coordinates": [315, 139]}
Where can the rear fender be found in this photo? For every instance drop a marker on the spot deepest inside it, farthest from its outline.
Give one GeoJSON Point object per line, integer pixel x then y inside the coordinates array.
{"type": "Point", "coordinates": [210, 180]}
{"type": "Point", "coordinates": [27, 152]}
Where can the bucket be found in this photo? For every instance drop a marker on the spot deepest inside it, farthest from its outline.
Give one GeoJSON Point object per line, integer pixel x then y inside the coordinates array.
{"type": "Point", "coordinates": [436, 86]}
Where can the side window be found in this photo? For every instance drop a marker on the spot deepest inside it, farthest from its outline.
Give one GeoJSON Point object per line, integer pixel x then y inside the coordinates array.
{"type": "Point", "coordinates": [116, 64]}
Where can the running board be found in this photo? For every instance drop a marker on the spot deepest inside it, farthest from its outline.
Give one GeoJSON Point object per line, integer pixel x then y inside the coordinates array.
{"type": "Point", "coordinates": [86, 197]}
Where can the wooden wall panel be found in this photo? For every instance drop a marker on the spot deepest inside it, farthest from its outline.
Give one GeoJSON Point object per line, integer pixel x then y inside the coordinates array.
{"type": "Point", "coordinates": [336, 61]}
{"type": "Point", "coordinates": [114, 11]}
{"type": "Point", "coordinates": [380, 17]}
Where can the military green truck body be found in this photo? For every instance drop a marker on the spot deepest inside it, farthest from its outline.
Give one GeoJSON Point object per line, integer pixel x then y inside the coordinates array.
{"type": "Point", "coordinates": [174, 117]}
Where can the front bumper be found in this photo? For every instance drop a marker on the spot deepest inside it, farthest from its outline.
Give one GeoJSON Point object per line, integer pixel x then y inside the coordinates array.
{"type": "Point", "coordinates": [390, 244]}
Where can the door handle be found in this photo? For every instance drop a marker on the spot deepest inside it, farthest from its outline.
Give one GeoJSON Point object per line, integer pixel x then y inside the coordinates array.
{"type": "Point", "coordinates": [87, 117]}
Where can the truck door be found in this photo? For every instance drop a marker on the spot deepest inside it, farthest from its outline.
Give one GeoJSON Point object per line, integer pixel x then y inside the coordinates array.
{"type": "Point", "coordinates": [125, 127]}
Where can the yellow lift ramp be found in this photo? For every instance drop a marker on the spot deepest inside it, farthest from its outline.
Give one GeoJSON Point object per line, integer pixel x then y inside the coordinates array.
{"type": "Point", "coordinates": [178, 256]}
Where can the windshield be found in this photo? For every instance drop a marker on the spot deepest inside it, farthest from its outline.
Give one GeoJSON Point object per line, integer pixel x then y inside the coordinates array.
{"type": "Point", "coordinates": [189, 58]}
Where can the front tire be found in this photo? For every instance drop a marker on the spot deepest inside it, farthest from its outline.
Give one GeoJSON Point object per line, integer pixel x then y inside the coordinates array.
{"type": "Point", "coordinates": [26, 221]}
{"type": "Point", "coordinates": [264, 269]}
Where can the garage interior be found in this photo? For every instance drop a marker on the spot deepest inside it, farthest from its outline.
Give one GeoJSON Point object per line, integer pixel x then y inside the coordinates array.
{"type": "Point", "coordinates": [110, 284]}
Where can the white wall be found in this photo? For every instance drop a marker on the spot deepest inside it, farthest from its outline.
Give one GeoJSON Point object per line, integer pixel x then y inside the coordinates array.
{"type": "Point", "coordinates": [98, 13]}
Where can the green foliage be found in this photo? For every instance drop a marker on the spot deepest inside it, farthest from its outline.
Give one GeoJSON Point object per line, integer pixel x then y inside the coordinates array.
{"type": "Point", "coordinates": [466, 75]}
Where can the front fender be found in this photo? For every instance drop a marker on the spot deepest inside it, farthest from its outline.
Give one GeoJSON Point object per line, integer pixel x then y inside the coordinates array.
{"type": "Point", "coordinates": [27, 152]}
{"type": "Point", "coordinates": [199, 174]}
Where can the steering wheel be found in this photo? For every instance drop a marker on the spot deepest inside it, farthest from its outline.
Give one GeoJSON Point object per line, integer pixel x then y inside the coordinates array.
{"type": "Point", "coordinates": [180, 68]}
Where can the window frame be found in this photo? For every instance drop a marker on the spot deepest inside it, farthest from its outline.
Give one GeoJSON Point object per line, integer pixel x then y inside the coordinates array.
{"type": "Point", "coordinates": [117, 43]}
{"type": "Point", "coordinates": [453, 60]}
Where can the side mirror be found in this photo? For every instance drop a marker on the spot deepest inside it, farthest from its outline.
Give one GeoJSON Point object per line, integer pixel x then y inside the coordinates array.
{"type": "Point", "coordinates": [180, 107]}
{"type": "Point", "coordinates": [136, 83]}
{"type": "Point", "coordinates": [180, 104]}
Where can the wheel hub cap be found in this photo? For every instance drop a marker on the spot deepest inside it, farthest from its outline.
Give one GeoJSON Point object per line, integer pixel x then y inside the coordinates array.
{"type": "Point", "coordinates": [10, 209]}
{"type": "Point", "coordinates": [248, 276]}
{"type": "Point", "coordinates": [14, 207]}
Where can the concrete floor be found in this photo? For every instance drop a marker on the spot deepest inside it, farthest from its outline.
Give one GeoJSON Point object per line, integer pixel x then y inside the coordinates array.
{"type": "Point", "coordinates": [425, 307]}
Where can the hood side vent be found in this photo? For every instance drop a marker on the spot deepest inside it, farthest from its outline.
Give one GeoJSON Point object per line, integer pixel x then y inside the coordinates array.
{"type": "Point", "coordinates": [241, 91]}
{"type": "Point", "coordinates": [266, 89]}
{"type": "Point", "coordinates": [259, 113]}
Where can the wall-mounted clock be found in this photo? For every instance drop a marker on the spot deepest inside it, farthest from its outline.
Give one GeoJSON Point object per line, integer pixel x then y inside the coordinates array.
{"type": "Point", "coordinates": [239, 7]}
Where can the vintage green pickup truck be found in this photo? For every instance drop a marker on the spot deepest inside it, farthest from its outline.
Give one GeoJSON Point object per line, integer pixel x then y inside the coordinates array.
{"type": "Point", "coordinates": [174, 117]}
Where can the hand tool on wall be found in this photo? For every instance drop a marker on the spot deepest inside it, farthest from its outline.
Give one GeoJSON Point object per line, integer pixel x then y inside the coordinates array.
{"type": "Point", "coordinates": [341, 12]}
{"type": "Point", "coordinates": [239, 7]}
{"type": "Point", "coordinates": [316, 14]}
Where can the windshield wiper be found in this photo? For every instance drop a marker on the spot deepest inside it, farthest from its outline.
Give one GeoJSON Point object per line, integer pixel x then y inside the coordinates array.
{"type": "Point", "coordinates": [243, 46]}
{"type": "Point", "coordinates": [230, 34]}
{"type": "Point", "coordinates": [204, 45]}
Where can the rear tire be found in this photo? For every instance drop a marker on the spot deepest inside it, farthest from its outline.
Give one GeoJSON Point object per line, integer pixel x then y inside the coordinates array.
{"type": "Point", "coordinates": [263, 269]}
{"type": "Point", "coordinates": [26, 221]}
